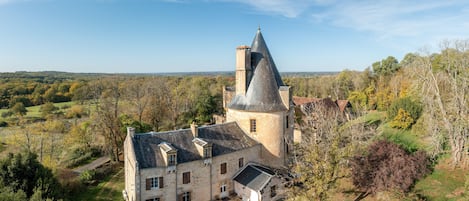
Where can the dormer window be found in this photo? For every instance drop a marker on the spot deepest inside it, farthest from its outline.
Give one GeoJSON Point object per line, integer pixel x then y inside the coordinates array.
{"type": "Point", "coordinates": [171, 159]}
{"type": "Point", "coordinates": [203, 147]}
{"type": "Point", "coordinates": [169, 153]}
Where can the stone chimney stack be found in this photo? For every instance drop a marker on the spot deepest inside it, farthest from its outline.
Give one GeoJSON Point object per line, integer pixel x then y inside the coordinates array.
{"type": "Point", "coordinates": [131, 131]}
{"type": "Point", "coordinates": [243, 68]}
{"type": "Point", "coordinates": [195, 130]}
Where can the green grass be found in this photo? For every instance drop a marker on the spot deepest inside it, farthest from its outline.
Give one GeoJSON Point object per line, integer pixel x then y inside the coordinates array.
{"type": "Point", "coordinates": [110, 188]}
{"type": "Point", "coordinates": [404, 138]}
{"type": "Point", "coordinates": [34, 111]}
{"type": "Point", "coordinates": [444, 183]}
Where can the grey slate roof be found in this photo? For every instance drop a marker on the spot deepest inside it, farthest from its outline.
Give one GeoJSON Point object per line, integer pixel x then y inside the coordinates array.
{"type": "Point", "coordinates": [254, 177]}
{"type": "Point", "coordinates": [225, 138]}
{"type": "Point", "coordinates": [262, 94]}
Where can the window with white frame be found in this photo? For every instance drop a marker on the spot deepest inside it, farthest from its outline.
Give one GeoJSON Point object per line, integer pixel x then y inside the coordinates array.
{"type": "Point", "coordinates": [171, 159]}
{"type": "Point", "coordinates": [186, 196]}
{"type": "Point", "coordinates": [223, 188]}
{"type": "Point", "coordinates": [154, 183]}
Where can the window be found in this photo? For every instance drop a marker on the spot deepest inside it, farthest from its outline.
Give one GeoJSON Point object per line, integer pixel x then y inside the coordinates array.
{"type": "Point", "coordinates": [154, 183]}
{"type": "Point", "coordinates": [240, 162]}
{"type": "Point", "coordinates": [171, 159]}
{"type": "Point", "coordinates": [286, 121]}
{"type": "Point", "coordinates": [186, 177]}
{"type": "Point", "coordinates": [207, 152]}
{"type": "Point", "coordinates": [186, 196]}
{"type": "Point", "coordinates": [223, 168]}
{"type": "Point", "coordinates": [223, 188]}
{"type": "Point", "coordinates": [253, 125]}
{"type": "Point", "coordinates": [153, 199]}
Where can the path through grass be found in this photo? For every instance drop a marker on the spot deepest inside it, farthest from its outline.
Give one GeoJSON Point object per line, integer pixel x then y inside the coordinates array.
{"type": "Point", "coordinates": [110, 188]}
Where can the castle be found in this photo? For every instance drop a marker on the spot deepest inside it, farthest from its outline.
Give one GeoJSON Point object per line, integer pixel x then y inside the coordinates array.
{"type": "Point", "coordinates": [236, 158]}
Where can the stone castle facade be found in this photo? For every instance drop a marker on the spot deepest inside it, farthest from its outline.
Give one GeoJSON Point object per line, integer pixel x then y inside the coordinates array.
{"type": "Point", "coordinates": [232, 159]}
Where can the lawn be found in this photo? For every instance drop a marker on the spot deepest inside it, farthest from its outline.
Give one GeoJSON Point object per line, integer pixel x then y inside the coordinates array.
{"type": "Point", "coordinates": [444, 183]}
{"type": "Point", "coordinates": [110, 188]}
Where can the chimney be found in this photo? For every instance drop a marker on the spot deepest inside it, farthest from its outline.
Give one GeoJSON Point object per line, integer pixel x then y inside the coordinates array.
{"type": "Point", "coordinates": [131, 131]}
{"type": "Point", "coordinates": [243, 68]}
{"type": "Point", "coordinates": [194, 129]}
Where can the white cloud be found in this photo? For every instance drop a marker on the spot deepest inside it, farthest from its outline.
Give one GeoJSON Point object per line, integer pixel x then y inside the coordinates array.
{"type": "Point", "coordinates": [398, 18]}
{"type": "Point", "coordinates": [287, 8]}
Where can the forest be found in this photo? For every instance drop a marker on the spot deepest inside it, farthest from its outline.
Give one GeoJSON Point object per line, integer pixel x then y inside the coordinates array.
{"type": "Point", "coordinates": [410, 120]}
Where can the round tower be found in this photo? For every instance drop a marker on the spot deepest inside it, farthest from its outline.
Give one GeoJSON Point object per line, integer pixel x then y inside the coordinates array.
{"type": "Point", "coordinates": [263, 109]}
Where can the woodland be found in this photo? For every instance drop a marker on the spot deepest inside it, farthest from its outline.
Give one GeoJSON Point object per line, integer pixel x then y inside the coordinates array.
{"type": "Point", "coordinates": [407, 137]}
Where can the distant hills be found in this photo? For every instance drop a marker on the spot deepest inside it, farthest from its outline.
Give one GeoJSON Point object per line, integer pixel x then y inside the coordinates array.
{"type": "Point", "coordinates": [59, 74]}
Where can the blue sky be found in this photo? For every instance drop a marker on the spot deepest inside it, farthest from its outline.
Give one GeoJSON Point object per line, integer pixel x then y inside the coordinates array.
{"type": "Point", "coordinates": [147, 36]}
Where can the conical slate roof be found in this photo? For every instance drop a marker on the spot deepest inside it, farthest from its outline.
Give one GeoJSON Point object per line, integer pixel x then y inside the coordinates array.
{"type": "Point", "coordinates": [259, 50]}
{"type": "Point", "coordinates": [262, 94]}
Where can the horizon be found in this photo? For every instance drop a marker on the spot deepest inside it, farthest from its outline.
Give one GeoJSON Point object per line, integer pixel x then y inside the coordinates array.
{"type": "Point", "coordinates": [123, 36]}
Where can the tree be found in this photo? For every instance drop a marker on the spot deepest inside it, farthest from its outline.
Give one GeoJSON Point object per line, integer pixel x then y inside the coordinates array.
{"type": "Point", "coordinates": [136, 92]}
{"type": "Point", "coordinates": [386, 66]}
{"type": "Point", "coordinates": [444, 92]}
{"type": "Point", "coordinates": [158, 106]}
{"type": "Point", "coordinates": [322, 155]}
{"type": "Point", "coordinates": [48, 108]}
{"type": "Point", "coordinates": [23, 172]}
{"type": "Point", "coordinates": [386, 167]}
{"type": "Point", "coordinates": [7, 194]}
{"type": "Point", "coordinates": [107, 116]}
{"type": "Point", "coordinates": [19, 109]}
{"type": "Point", "coordinates": [404, 112]}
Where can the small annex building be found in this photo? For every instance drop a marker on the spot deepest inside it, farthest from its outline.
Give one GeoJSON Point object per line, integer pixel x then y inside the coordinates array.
{"type": "Point", "coordinates": [239, 158]}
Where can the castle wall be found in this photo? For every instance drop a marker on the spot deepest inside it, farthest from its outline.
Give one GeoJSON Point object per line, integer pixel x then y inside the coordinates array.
{"type": "Point", "coordinates": [130, 166]}
{"type": "Point", "coordinates": [270, 132]}
{"type": "Point", "coordinates": [206, 179]}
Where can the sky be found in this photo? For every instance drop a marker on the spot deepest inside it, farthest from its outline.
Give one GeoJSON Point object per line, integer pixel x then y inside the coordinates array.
{"type": "Point", "coordinates": [153, 36]}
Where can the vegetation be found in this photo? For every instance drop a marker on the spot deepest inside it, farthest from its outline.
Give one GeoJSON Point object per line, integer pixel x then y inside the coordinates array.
{"type": "Point", "coordinates": [387, 167]}
{"type": "Point", "coordinates": [22, 176]}
{"type": "Point", "coordinates": [417, 105]}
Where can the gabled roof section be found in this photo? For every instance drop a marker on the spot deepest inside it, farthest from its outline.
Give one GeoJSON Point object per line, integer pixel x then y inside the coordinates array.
{"type": "Point", "coordinates": [224, 138]}
{"type": "Point", "coordinates": [262, 94]}
{"type": "Point", "coordinates": [254, 177]}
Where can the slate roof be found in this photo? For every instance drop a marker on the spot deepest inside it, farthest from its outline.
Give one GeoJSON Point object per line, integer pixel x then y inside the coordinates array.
{"type": "Point", "coordinates": [262, 94]}
{"type": "Point", "coordinates": [254, 177]}
{"type": "Point", "coordinates": [225, 138]}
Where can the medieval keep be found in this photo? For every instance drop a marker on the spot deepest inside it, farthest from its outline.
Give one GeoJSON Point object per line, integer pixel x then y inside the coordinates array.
{"type": "Point", "coordinates": [238, 158]}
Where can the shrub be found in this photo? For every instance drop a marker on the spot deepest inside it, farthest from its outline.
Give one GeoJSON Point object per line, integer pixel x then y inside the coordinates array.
{"type": "Point", "coordinates": [48, 108]}
{"type": "Point", "coordinates": [388, 167]}
{"type": "Point", "coordinates": [87, 176]}
{"type": "Point", "coordinates": [406, 110]}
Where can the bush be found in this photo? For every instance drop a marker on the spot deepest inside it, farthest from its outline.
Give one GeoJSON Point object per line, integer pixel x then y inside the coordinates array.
{"type": "Point", "coordinates": [48, 108]}
{"type": "Point", "coordinates": [404, 111]}
{"type": "Point", "coordinates": [76, 111]}
{"type": "Point", "coordinates": [388, 167]}
{"type": "Point", "coordinates": [87, 176]}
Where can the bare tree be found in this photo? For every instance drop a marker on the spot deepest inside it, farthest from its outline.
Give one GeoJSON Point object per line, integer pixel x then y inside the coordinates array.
{"type": "Point", "coordinates": [137, 91]}
{"type": "Point", "coordinates": [322, 156]}
{"type": "Point", "coordinates": [107, 117]}
{"type": "Point", "coordinates": [443, 81]}
{"type": "Point", "coordinates": [158, 106]}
